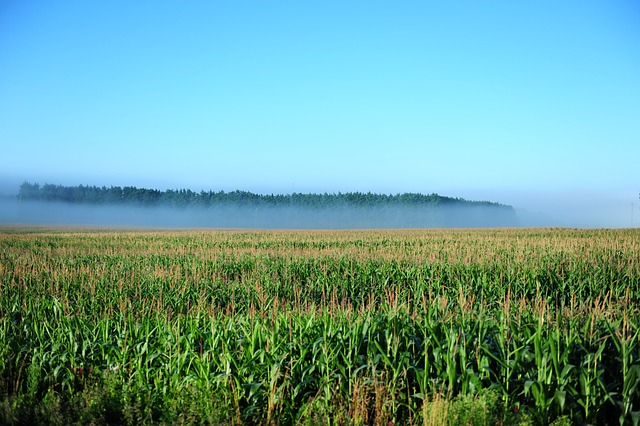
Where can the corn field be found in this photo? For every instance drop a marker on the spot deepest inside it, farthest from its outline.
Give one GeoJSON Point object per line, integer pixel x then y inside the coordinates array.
{"type": "Point", "coordinates": [420, 327]}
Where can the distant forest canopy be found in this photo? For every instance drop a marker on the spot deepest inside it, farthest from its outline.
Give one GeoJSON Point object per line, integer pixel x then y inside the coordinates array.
{"type": "Point", "coordinates": [130, 195]}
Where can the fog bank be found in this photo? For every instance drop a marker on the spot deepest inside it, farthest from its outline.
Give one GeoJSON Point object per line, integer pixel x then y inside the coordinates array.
{"type": "Point", "coordinates": [13, 211]}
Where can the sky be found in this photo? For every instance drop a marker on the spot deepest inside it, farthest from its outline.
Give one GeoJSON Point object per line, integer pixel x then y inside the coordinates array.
{"type": "Point", "coordinates": [535, 104]}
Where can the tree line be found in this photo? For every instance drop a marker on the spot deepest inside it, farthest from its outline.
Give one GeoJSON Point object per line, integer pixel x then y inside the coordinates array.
{"type": "Point", "coordinates": [182, 198]}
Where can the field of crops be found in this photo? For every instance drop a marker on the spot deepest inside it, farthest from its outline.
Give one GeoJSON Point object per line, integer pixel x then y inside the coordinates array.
{"type": "Point", "coordinates": [501, 326]}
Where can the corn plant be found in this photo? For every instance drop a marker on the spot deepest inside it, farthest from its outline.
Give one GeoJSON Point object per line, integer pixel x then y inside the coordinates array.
{"type": "Point", "coordinates": [347, 327]}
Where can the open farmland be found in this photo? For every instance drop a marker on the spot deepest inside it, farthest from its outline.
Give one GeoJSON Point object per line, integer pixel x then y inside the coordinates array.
{"type": "Point", "coordinates": [511, 326]}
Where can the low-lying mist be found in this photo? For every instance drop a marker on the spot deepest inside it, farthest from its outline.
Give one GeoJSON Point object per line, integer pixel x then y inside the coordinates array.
{"type": "Point", "coordinates": [13, 211]}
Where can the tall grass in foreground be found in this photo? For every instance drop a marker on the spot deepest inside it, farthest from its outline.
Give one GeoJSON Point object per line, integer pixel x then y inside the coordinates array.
{"type": "Point", "coordinates": [352, 327]}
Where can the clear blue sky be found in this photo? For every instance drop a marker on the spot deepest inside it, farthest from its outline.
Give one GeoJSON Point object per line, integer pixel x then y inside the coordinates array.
{"type": "Point", "coordinates": [521, 102]}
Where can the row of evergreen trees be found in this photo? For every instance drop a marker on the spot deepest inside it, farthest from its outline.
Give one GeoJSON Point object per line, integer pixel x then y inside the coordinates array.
{"type": "Point", "coordinates": [130, 195]}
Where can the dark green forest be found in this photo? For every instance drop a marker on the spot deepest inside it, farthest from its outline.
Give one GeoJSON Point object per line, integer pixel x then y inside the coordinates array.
{"type": "Point", "coordinates": [182, 198]}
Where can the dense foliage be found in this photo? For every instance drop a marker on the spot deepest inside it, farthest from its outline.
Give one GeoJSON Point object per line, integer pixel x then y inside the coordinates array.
{"type": "Point", "coordinates": [187, 198]}
{"type": "Point", "coordinates": [360, 327]}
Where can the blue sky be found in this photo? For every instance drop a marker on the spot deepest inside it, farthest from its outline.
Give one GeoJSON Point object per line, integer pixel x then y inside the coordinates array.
{"type": "Point", "coordinates": [530, 103]}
